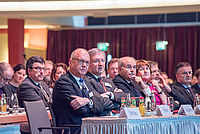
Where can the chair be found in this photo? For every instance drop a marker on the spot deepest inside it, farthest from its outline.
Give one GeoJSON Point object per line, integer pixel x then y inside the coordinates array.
{"type": "Point", "coordinates": [38, 118]}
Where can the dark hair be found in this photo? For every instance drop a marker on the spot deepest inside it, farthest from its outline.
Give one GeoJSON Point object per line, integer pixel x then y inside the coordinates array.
{"type": "Point", "coordinates": [153, 63]}
{"type": "Point", "coordinates": [113, 60]}
{"type": "Point", "coordinates": [18, 67]}
{"type": "Point", "coordinates": [32, 60]}
{"type": "Point", "coordinates": [181, 64]}
{"type": "Point", "coordinates": [197, 73]}
{"type": "Point", "coordinates": [63, 65]}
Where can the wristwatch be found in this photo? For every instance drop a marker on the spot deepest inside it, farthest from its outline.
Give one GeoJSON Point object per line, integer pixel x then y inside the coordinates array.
{"type": "Point", "coordinates": [160, 92]}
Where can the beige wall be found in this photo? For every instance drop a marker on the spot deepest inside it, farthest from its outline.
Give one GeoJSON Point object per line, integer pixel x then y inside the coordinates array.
{"type": "Point", "coordinates": [3, 47]}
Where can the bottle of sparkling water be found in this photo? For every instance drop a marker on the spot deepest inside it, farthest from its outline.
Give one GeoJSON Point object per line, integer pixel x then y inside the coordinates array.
{"type": "Point", "coordinates": [128, 100]}
{"type": "Point", "coordinates": [141, 106]}
{"type": "Point", "coordinates": [123, 102]}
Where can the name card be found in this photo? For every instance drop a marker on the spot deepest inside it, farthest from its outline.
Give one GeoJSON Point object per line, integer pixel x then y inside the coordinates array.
{"type": "Point", "coordinates": [130, 113]}
{"type": "Point", "coordinates": [197, 109]}
{"type": "Point", "coordinates": [186, 110]}
{"type": "Point", "coordinates": [163, 110]}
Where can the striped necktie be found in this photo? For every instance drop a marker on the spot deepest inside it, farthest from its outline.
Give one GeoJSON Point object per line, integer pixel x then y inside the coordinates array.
{"type": "Point", "coordinates": [83, 88]}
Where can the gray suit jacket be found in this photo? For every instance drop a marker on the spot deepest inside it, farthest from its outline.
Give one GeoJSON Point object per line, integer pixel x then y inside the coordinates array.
{"type": "Point", "coordinates": [29, 91]}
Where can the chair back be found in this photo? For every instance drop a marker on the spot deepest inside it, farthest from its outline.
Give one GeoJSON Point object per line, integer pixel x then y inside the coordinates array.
{"type": "Point", "coordinates": [37, 116]}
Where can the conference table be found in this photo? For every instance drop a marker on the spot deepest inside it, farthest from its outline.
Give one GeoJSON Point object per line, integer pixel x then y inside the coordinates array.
{"type": "Point", "coordinates": [176, 124]}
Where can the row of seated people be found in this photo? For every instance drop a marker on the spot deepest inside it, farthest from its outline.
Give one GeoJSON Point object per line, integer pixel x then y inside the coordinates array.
{"type": "Point", "coordinates": [83, 92]}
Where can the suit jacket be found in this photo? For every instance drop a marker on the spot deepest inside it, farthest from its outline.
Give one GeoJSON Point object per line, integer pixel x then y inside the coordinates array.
{"type": "Point", "coordinates": [29, 91]}
{"type": "Point", "coordinates": [181, 94]}
{"type": "Point", "coordinates": [196, 88]}
{"type": "Point", "coordinates": [9, 91]}
{"type": "Point", "coordinates": [121, 83]}
{"type": "Point", "coordinates": [64, 88]}
{"type": "Point", "coordinates": [110, 86]}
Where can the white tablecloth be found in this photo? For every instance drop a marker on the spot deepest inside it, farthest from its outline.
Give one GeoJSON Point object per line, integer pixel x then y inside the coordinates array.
{"type": "Point", "coordinates": [145, 125]}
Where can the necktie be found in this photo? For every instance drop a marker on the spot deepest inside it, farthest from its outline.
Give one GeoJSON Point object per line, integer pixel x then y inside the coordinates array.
{"type": "Point", "coordinates": [83, 88]}
{"type": "Point", "coordinates": [138, 93]}
{"type": "Point", "coordinates": [44, 93]}
{"type": "Point", "coordinates": [191, 92]}
{"type": "Point", "coordinates": [100, 80]}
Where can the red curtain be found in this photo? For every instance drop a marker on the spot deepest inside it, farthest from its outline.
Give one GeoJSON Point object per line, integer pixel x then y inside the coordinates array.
{"type": "Point", "coordinates": [184, 44]}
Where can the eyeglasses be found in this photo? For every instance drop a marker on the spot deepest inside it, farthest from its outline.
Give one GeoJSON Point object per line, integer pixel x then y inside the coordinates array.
{"type": "Point", "coordinates": [81, 62]}
{"type": "Point", "coordinates": [5, 79]}
{"type": "Point", "coordinates": [98, 60]}
{"type": "Point", "coordinates": [130, 67]}
{"type": "Point", "coordinates": [185, 73]}
{"type": "Point", "coordinates": [38, 69]}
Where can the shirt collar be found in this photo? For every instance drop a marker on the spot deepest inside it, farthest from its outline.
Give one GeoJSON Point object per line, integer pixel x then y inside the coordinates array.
{"type": "Point", "coordinates": [185, 86]}
{"type": "Point", "coordinates": [77, 79]}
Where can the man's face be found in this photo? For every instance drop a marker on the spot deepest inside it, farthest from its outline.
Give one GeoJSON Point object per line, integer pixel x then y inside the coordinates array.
{"type": "Point", "coordinates": [78, 66]}
{"type": "Point", "coordinates": [37, 71]}
{"type": "Point", "coordinates": [97, 64]}
{"type": "Point", "coordinates": [128, 70]}
{"type": "Point", "coordinates": [184, 75]}
{"type": "Point", "coordinates": [6, 76]}
{"type": "Point", "coordinates": [155, 73]}
{"type": "Point", "coordinates": [48, 70]}
{"type": "Point", "coordinates": [113, 70]}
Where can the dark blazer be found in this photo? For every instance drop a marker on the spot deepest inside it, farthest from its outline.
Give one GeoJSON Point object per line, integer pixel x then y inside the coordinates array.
{"type": "Point", "coordinates": [110, 86]}
{"type": "Point", "coordinates": [181, 94]}
{"type": "Point", "coordinates": [64, 88]}
{"type": "Point", "coordinates": [29, 91]}
{"type": "Point", "coordinates": [121, 83]}
{"type": "Point", "coordinates": [9, 91]}
{"type": "Point", "coordinates": [196, 88]}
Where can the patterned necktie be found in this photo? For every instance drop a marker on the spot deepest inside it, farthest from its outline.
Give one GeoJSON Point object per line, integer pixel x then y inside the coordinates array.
{"type": "Point", "coordinates": [83, 88]}
{"type": "Point", "coordinates": [191, 92]}
{"type": "Point", "coordinates": [100, 80]}
{"type": "Point", "coordinates": [44, 93]}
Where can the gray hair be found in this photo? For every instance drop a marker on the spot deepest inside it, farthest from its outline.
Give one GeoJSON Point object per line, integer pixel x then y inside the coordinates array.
{"type": "Point", "coordinates": [95, 51]}
{"type": "Point", "coordinates": [121, 60]}
{"type": "Point", "coordinates": [4, 66]}
{"type": "Point", "coordinates": [49, 62]}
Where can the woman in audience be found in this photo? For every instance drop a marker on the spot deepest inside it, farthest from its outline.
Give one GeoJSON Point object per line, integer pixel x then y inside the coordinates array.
{"type": "Point", "coordinates": [57, 71]}
{"type": "Point", "coordinates": [11, 88]}
{"type": "Point", "coordinates": [143, 71]}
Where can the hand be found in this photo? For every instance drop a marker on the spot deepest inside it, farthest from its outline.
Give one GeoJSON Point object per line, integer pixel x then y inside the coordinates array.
{"type": "Point", "coordinates": [118, 90]}
{"type": "Point", "coordinates": [140, 82]}
{"type": "Point", "coordinates": [154, 83]}
{"type": "Point", "coordinates": [79, 102]}
{"type": "Point", "coordinates": [104, 95]}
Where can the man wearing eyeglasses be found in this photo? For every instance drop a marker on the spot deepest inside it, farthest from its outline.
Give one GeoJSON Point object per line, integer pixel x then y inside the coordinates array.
{"type": "Point", "coordinates": [183, 92]}
{"type": "Point", "coordinates": [74, 96]}
{"type": "Point", "coordinates": [6, 73]}
{"type": "Point", "coordinates": [33, 88]}
{"type": "Point", "coordinates": [127, 79]}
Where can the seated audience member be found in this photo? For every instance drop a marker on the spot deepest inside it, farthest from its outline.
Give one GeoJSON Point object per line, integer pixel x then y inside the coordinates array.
{"type": "Point", "coordinates": [74, 96]}
{"type": "Point", "coordinates": [143, 71]}
{"type": "Point", "coordinates": [58, 70]}
{"type": "Point", "coordinates": [125, 80]}
{"type": "Point", "coordinates": [183, 92]}
{"type": "Point", "coordinates": [6, 73]}
{"type": "Point", "coordinates": [194, 80]}
{"type": "Point", "coordinates": [113, 68]}
{"type": "Point", "coordinates": [95, 72]}
{"type": "Point", "coordinates": [11, 88]}
{"type": "Point", "coordinates": [197, 85]}
{"type": "Point", "coordinates": [47, 74]}
{"type": "Point", "coordinates": [165, 77]}
{"type": "Point", "coordinates": [33, 88]}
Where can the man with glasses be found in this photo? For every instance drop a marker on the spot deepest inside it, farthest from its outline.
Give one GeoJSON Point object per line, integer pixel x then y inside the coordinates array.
{"type": "Point", "coordinates": [6, 73]}
{"type": "Point", "coordinates": [74, 96]}
{"type": "Point", "coordinates": [33, 88]}
{"type": "Point", "coordinates": [183, 92]}
{"type": "Point", "coordinates": [127, 79]}
{"type": "Point", "coordinates": [105, 85]}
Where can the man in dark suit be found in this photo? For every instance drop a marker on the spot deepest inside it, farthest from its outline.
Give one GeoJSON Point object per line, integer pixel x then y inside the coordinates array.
{"type": "Point", "coordinates": [183, 92]}
{"type": "Point", "coordinates": [74, 96]}
{"type": "Point", "coordinates": [106, 87]}
{"type": "Point", "coordinates": [127, 79]}
{"type": "Point", "coordinates": [6, 73]}
{"type": "Point", "coordinates": [33, 88]}
{"type": "Point", "coordinates": [197, 85]}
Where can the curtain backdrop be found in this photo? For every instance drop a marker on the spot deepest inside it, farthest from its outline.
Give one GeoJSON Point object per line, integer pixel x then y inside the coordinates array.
{"type": "Point", "coordinates": [184, 44]}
